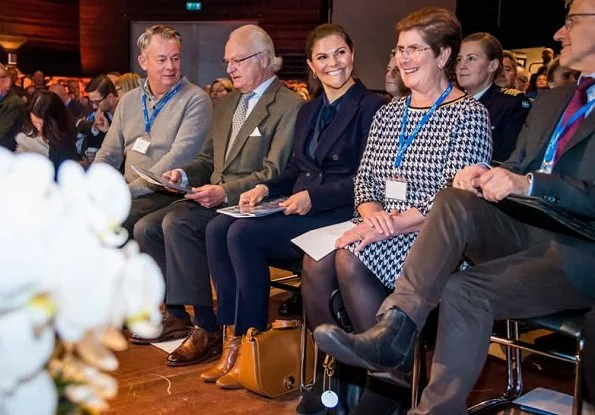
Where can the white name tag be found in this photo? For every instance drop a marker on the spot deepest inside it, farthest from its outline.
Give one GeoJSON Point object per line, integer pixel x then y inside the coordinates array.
{"type": "Point", "coordinates": [141, 145]}
{"type": "Point", "coordinates": [396, 188]}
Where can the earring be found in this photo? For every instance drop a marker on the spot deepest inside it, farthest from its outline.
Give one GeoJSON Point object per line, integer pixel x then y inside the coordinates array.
{"type": "Point", "coordinates": [314, 75]}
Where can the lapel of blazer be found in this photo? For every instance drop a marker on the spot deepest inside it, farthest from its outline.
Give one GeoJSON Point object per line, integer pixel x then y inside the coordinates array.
{"type": "Point", "coordinates": [335, 129]}
{"type": "Point", "coordinates": [303, 130]}
{"type": "Point", "coordinates": [552, 114]}
{"type": "Point", "coordinates": [257, 115]}
{"type": "Point", "coordinates": [585, 130]}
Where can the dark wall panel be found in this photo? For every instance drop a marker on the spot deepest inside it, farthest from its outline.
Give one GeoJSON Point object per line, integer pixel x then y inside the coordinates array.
{"type": "Point", "coordinates": [104, 24]}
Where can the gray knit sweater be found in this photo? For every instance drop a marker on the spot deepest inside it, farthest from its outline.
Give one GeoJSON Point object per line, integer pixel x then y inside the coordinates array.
{"type": "Point", "coordinates": [176, 134]}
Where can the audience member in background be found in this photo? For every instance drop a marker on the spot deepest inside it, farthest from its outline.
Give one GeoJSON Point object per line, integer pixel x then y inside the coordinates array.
{"type": "Point", "coordinates": [48, 129]}
{"type": "Point", "coordinates": [521, 82]}
{"type": "Point", "coordinates": [219, 88]}
{"type": "Point", "coordinates": [249, 141]}
{"type": "Point", "coordinates": [38, 79]}
{"type": "Point", "coordinates": [76, 109]}
{"type": "Point", "coordinates": [113, 76]}
{"type": "Point", "coordinates": [415, 146]}
{"type": "Point", "coordinates": [507, 76]}
{"type": "Point", "coordinates": [393, 84]}
{"type": "Point", "coordinates": [329, 139]}
{"type": "Point", "coordinates": [160, 125]}
{"type": "Point", "coordinates": [14, 76]}
{"type": "Point", "coordinates": [104, 99]}
{"type": "Point", "coordinates": [127, 82]}
{"type": "Point", "coordinates": [537, 85]}
{"type": "Point", "coordinates": [29, 92]}
{"type": "Point", "coordinates": [560, 75]}
{"type": "Point", "coordinates": [299, 87]}
{"type": "Point", "coordinates": [547, 55]}
{"type": "Point", "coordinates": [12, 109]}
{"type": "Point", "coordinates": [478, 64]}
{"type": "Point", "coordinates": [520, 270]}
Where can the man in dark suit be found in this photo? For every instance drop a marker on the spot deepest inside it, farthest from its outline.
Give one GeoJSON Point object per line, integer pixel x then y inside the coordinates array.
{"type": "Point", "coordinates": [520, 270]}
{"type": "Point", "coordinates": [249, 142]}
{"type": "Point", "coordinates": [12, 108]}
{"type": "Point", "coordinates": [75, 108]}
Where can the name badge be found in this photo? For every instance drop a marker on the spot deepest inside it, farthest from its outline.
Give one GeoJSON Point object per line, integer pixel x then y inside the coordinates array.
{"type": "Point", "coordinates": [396, 188]}
{"type": "Point", "coordinates": [141, 144]}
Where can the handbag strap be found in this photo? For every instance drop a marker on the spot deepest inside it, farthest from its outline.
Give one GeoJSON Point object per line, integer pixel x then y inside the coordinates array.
{"type": "Point", "coordinates": [285, 324]}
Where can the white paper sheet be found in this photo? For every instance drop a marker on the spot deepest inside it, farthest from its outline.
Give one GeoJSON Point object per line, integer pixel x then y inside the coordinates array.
{"type": "Point", "coordinates": [551, 401]}
{"type": "Point", "coordinates": [168, 346]}
{"type": "Point", "coordinates": [320, 242]}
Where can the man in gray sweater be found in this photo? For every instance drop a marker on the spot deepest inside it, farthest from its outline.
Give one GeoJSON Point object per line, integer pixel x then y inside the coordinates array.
{"type": "Point", "coordinates": [158, 126]}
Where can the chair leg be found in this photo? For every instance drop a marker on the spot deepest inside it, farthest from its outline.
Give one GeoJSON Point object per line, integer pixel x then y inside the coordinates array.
{"type": "Point", "coordinates": [514, 375]}
{"type": "Point", "coordinates": [418, 355]}
{"type": "Point", "coordinates": [577, 402]}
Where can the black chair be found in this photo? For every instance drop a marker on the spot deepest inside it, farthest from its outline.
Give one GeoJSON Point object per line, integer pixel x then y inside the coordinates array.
{"type": "Point", "coordinates": [568, 323]}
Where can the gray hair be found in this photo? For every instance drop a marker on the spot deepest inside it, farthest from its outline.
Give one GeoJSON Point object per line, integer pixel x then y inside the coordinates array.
{"type": "Point", "coordinates": [259, 38]}
{"type": "Point", "coordinates": [165, 32]}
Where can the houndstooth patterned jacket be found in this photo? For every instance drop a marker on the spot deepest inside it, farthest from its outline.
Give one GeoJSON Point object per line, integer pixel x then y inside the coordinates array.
{"type": "Point", "coordinates": [458, 134]}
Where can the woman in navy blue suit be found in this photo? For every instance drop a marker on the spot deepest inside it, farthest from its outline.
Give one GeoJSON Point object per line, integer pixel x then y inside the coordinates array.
{"type": "Point", "coordinates": [330, 136]}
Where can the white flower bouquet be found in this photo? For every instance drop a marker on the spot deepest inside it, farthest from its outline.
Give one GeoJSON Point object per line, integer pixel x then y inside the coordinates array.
{"type": "Point", "coordinates": [66, 286]}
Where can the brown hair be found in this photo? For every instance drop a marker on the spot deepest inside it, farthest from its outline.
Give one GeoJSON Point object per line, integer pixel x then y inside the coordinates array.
{"type": "Point", "coordinates": [439, 28]}
{"type": "Point", "coordinates": [320, 32]}
{"type": "Point", "coordinates": [490, 45]}
{"type": "Point", "coordinates": [58, 126]}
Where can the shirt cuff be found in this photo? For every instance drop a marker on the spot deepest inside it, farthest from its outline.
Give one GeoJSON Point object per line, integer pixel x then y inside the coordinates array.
{"type": "Point", "coordinates": [531, 178]}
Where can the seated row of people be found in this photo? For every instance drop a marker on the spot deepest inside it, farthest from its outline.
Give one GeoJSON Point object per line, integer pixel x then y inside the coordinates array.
{"type": "Point", "coordinates": [518, 270]}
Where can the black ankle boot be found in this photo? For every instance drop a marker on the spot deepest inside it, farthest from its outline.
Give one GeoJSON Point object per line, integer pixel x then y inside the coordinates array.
{"type": "Point", "coordinates": [387, 346]}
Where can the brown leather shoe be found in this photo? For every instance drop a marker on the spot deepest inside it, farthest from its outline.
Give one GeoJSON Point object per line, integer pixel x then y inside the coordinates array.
{"type": "Point", "coordinates": [231, 348]}
{"type": "Point", "coordinates": [173, 328]}
{"type": "Point", "coordinates": [199, 346]}
{"type": "Point", "coordinates": [231, 380]}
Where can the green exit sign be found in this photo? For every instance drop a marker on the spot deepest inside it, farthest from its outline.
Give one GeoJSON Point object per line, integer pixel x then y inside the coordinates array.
{"type": "Point", "coordinates": [193, 6]}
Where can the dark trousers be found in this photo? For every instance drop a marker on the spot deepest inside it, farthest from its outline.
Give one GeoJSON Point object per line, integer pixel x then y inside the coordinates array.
{"type": "Point", "coordinates": [239, 251]}
{"type": "Point", "coordinates": [146, 204]}
{"type": "Point", "coordinates": [518, 273]}
{"type": "Point", "coordinates": [175, 237]}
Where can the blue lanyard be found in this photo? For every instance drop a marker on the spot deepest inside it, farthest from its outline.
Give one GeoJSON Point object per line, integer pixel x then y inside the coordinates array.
{"type": "Point", "coordinates": [164, 100]}
{"type": "Point", "coordinates": [405, 142]}
{"type": "Point", "coordinates": [547, 164]}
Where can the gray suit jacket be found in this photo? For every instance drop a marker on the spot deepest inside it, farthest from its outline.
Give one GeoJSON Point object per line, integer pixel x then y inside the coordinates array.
{"type": "Point", "coordinates": [253, 158]}
{"type": "Point", "coordinates": [571, 185]}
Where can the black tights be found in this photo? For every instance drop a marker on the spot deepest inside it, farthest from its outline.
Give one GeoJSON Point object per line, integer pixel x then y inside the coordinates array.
{"type": "Point", "coordinates": [362, 292]}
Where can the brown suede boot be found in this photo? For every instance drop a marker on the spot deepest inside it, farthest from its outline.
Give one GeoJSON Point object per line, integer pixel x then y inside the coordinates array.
{"type": "Point", "coordinates": [231, 349]}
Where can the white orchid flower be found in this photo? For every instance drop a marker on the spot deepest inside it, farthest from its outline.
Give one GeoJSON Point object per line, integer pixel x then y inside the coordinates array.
{"type": "Point", "coordinates": [24, 349]}
{"type": "Point", "coordinates": [143, 290]}
{"type": "Point", "coordinates": [36, 395]}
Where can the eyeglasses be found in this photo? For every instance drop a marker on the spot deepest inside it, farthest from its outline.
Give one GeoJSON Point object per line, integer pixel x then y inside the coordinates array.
{"type": "Point", "coordinates": [235, 62]}
{"type": "Point", "coordinates": [410, 51]}
{"type": "Point", "coordinates": [571, 19]}
{"type": "Point", "coordinates": [97, 102]}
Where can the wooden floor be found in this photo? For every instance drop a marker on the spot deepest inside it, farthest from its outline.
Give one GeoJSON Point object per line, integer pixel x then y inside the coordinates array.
{"type": "Point", "coordinates": [148, 386]}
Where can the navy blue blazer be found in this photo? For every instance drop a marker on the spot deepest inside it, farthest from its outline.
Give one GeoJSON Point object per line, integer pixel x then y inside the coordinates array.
{"type": "Point", "coordinates": [329, 177]}
{"type": "Point", "coordinates": [507, 117]}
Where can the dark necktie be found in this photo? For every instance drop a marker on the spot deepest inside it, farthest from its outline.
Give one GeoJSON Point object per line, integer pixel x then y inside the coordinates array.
{"type": "Point", "coordinates": [576, 102]}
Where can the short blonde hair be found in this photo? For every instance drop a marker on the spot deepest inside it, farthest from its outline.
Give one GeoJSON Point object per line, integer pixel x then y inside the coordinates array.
{"type": "Point", "coordinates": [165, 32]}
{"type": "Point", "coordinates": [128, 82]}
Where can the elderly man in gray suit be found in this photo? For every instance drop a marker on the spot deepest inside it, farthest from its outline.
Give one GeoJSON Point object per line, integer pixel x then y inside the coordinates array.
{"type": "Point", "coordinates": [249, 142]}
{"type": "Point", "coordinates": [520, 270]}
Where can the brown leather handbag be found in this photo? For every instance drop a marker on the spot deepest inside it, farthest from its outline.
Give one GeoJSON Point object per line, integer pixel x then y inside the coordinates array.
{"type": "Point", "coordinates": [271, 361]}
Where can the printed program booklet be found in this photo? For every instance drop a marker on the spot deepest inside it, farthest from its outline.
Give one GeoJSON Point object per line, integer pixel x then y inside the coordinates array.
{"type": "Point", "coordinates": [159, 181]}
{"type": "Point", "coordinates": [268, 207]}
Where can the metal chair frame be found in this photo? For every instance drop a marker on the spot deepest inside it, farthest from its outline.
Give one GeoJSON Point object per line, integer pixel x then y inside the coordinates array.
{"type": "Point", "coordinates": [514, 381]}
